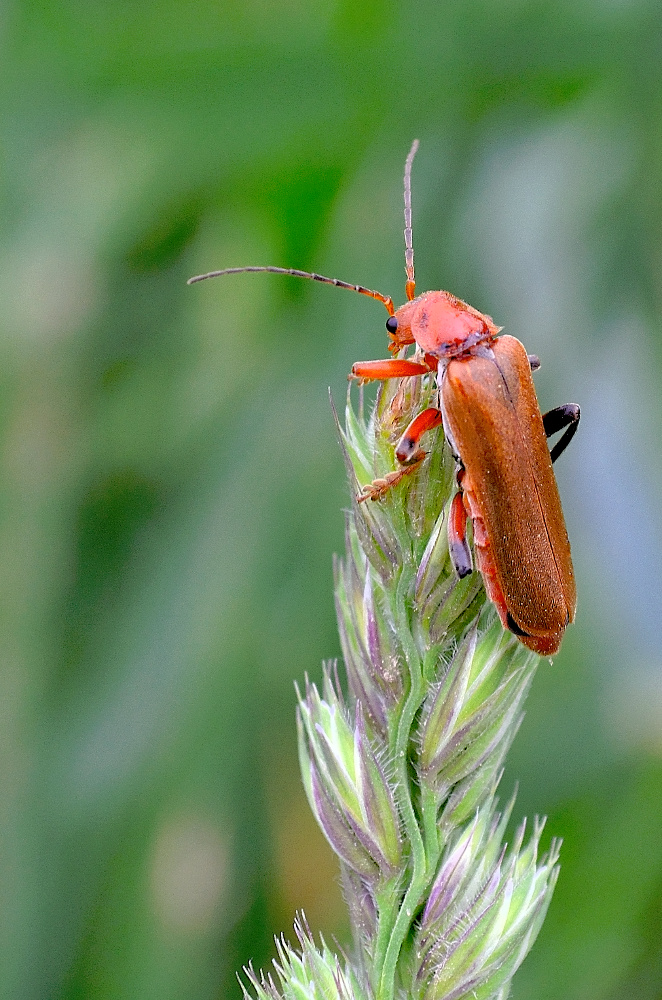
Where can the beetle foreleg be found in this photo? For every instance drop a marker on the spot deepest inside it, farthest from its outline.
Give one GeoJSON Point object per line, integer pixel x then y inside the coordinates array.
{"type": "Point", "coordinates": [458, 546]}
{"type": "Point", "coordinates": [555, 420]}
{"type": "Point", "coordinates": [368, 371]}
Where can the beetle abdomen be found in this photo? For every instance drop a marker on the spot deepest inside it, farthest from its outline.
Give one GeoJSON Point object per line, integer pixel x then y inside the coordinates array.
{"type": "Point", "coordinates": [545, 644]}
{"type": "Point", "coordinates": [491, 412]}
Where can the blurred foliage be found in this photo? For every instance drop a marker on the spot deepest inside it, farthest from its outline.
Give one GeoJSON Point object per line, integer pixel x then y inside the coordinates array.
{"type": "Point", "coordinates": [171, 490]}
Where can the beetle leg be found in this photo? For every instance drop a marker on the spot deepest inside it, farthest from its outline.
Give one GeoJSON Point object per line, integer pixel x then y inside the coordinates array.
{"type": "Point", "coordinates": [555, 420]}
{"type": "Point", "coordinates": [534, 362]}
{"type": "Point", "coordinates": [408, 443]}
{"type": "Point", "coordinates": [380, 487]}
{"type": "Point", "coordinates": [458, 546]}
{"type": "Point", "coordinates": [367, 371]}
{"type": "Point", "coordinates": [408, 454]}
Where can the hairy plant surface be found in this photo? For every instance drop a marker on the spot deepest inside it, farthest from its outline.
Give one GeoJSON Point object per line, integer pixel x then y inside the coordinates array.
{"type": "Point", "coordinates": [402, 771]}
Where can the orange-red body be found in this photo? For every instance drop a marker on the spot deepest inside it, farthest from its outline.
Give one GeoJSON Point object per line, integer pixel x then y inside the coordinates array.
{"type": "Point", "coordinates": [493, 423]}
{"type": "Point", "coordinates": [441, 324]}
{"type": "Point", "coordinates": [493, 420]}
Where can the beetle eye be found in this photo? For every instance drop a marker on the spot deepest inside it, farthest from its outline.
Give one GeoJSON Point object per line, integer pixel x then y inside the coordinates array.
{"type": "Point", "coordinates": [391, 324]}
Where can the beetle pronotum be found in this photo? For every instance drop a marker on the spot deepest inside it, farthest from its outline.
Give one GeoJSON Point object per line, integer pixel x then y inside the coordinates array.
{"type": "Point", "coordinates": [493, 424]}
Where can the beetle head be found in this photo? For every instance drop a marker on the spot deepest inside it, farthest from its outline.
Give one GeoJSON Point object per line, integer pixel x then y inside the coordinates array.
{"type": "Point", "coordinates": [441, 325]}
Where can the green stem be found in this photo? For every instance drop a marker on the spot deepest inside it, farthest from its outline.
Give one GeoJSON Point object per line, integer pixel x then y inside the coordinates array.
{"type": "Point", "coordinates": [429, 811]}
{"type": "Point", "coordinates": [387, 907]}
{"type": "Point", "coordinates": [429, 800]}
{"type": "Point", "coordinates": [412, 897]}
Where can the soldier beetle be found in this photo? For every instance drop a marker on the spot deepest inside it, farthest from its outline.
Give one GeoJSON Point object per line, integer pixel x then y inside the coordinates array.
{"type": "Point", "coordinates": [488, 407]}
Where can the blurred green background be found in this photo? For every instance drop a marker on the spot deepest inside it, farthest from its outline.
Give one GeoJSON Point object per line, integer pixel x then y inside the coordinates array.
{"type": "Point", "coordinates": [170, 485]}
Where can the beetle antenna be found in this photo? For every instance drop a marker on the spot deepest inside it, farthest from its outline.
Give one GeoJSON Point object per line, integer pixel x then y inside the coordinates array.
{"type": "Point", "coordinates": [385, 299]}
{"type": "Point", "coordinates": [410, 286]}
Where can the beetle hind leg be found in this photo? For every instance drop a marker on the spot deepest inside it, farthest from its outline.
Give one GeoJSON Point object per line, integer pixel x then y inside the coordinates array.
{"type": "Point", "coordinates": [555, 420]}
{"type": "Point", "coordinates": [458, 546]}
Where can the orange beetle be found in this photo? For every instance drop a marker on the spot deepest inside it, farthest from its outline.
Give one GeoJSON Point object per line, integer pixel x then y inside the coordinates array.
{"type": "Point", "coordinates": [493, 424]}
{"type": "Point", "coordinates": [494, 427]}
